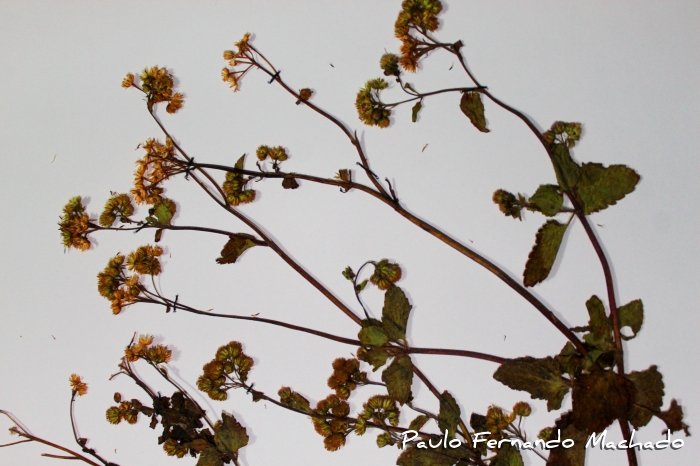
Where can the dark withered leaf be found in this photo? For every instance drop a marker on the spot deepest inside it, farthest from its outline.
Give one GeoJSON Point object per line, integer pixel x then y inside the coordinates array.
{"type": "Point", "coordinates": [478, 422]}
{"type": "Point", "coordinates": [434, 456]}
{"type": "Point", "coordinates": [372, 333]}
{"type": "Point", "coordinates": [631, 315]}
{"type": "Point", "coordinates": [159, 235]}
{"type": "Point", "coordinates": [574, 456]}
{"type": "Point", "coordinates": [600, 187]}
{"type": "Point", "coordinates": [507, 455]}
{"type": "Point", "coordinates": [472, 106]}
{"type": "Point", "coordinates": [600, 328]}
{"type": "Point", "coordinates": [567, 171]}
{"type": "Point", "coordinates": [395, 313]}
{"type": "Point", "coordinates": [210, 457]}
{"type": "Point", "coordinates": [377, 357]}
{"type": "Point", "coordinates": [541, 378]}
{"type": "Point", "coordinates": [544, 253]}
{"type": "Point", "coordinates": [414, 111]}
{"type": "Point", "coordinates": [418, 422]}
{"type": "Point", "coordinates": [448, 416]}
{"type": "Point", "coordinates": [289, 183]}
{"type": "Point", "coordinates": [398, 378]}
{"type": "Point", "coordinates": [648, 397]}
{"type": "Point", "coordinates": [673, 417]}
{"type": "Point", "coordinates": [570, 360]}
{"type": "Point", "coordinates": [231, 436]}
{"type": "Point", "coordinates": [547, 199]}
{"type": "Point", "coordinates": [235, 246]}
{"type": "Point", "coordinates": [599, 398]}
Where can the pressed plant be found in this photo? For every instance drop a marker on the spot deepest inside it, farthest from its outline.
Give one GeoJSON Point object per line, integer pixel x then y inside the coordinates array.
{"type": "Point", "coordinates": [590, 366]}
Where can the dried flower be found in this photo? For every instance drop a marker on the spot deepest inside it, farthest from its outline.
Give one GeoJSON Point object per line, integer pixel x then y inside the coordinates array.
{"type": "Point", "coordinates": [385, 274]}
{"type": "Point", "coordinates": [128, 81]}
{"type": "Point", "coordinates": [369, 107]}
{"type": "Point", "coordinates": [74, 225]}
{"type": "Point", "coordinates": [77, 385]}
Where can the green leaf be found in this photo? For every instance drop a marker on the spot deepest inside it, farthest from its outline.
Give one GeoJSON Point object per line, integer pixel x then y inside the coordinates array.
{"type": "Point", "coordinates": [547, 199]}
{"type": "Point", "coordinates": [600, 187]}
{"type": "Point", "coordinates": [372, 333]}
{"type": "Point", "coordinates": [231, 436]}
{"type": "Point", "coordinates": [575, 455]}
{"type": "Point", "coordinates": [599, 398]}
{"type": "Point", "coordinates": [239, 162]}
{"type": "Point", "coordinates": [648, 398]}
{"type": "Point", "coordinates": [507, 455]}
{"type": "Point", "coordinates": [544, 253]}
{"type": "Point", "coordinates": [395, 313]}
{"type": "Point", "coordinates": [567, 171]}
{"type": "Point", "coordinates": [418, 422]}
{"type": "Point", "coordinates": [541, 378]}
{"type": "Point", "coordinates": [235, 246]}
{"type": "Point", "coordinates": [359, 288]}
{"type": "Point", "coordinates": [631, 315]}
{"type": "Point", "coordinates": [414, 111]}
{"type": "Point", "coordinates": [398, 378]}
{"type": "Point", "coordinates": [377, 357]}
{"type": "Point", "coordinates": [210, 457]}
{"type": "Point", "coordinates": [448, 417]}
{"type": "Point", "coordinates": [599, 326]}
{"type": "Point", "coordinates": [473, 108]}
{"type": "Point", "coordinates": [164, 210]}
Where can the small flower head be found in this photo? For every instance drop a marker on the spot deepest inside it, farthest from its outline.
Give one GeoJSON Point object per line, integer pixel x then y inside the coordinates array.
{"type": "Point", "coordinates": [157, 83]}
{"type": "Point", "coordinates": [118, 206]}
{"type": "Point", "coordinates": [305, 94]}
{"type": "Point", "coordinates": [522, 409]}
{"type": "Point", "coordinates": [370, 108]}
{"type": "Point", "coordinates": [390, 64]}
{"type": "Point", "coordinates": [346, 377]}
{"type": "Point", "coordinates": [77, 385]}
{"type": "Point", "coordinates": [508, 203]}
{"type": "Point", "coordinates": [385, 274]}
{"type": "Point", "coordinates": [563, 133]}
{"type": "Point", "coordinates": [234, 187]}
{"type": "Point", "coordinates": [128, 81]}
{"type": "Point", "coordinates": [145, 260]}
{"type": "Point", "coordinates": [417, 15]}
{"type": "Point", "coordinates": [175, 103]}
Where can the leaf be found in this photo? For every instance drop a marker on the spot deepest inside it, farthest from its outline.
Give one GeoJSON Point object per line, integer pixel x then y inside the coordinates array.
{"type": "Point", "coordinates": [289, 182]}
{"type": "Point", "coordinates": [159, 235]}
{"type": "Point", "coordinates": [544, 253]}
{"type": "Point", "coordinates": [395, 313]}
{"type": "Point", "coordinates": [398, 378]}
{"type": "Point", "coordinates": [648, 398]}
{"type": "Point", "coordinates": [600, 187]}
{"type": "Point", "coordinates": [418, 422]}
{"type": "Point", "coordinates": [541, 378]}
{"type": "Point", "coordinates": [575, 455]}
{"type": "Point", "coordinates": [507, 455]}
{"type": "Point", "coordinates": [570, 360]}
{"type": "Point", "coordinates": [448, 416]}
{"type": "Point", "coordinates": [376, 357]}
{"type": "Point", "coordinates": [567, 171]}
{"type": "Point", "coordinates": [547, 199]}
{"type": "Point", "coordinates": [372, 333]}
{"type": "Point", "coordinates": [239, 162]}
{"type": "Point", "coordinates": [473, 108]}
{"type": "Point", "coordinates": [631, 315]}
{"type": "Point", "coordinates": [231, 436]}
{"type": "Point", "coordinates": [599, 326]}
{"type": "Point", "coordinates": [210, 457]}
{"type": "Point", "coordinates": [599, 398]}
{"type": "Point", "coordinates": [164, 211]}
{"type": "Point", "coordinates": [235, 246]}
{"type": "Point", "coordinates": [673, 417]}
{"type": "Point", "coordinates": [414, 111]}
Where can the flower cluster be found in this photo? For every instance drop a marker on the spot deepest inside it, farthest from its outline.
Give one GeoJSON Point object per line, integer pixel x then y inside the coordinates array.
{"type": "Point", "coordinates": [157, 83]}
{"type": "Point", "coordinates": [337, 428]}
{"type": "Point", "coordinates": [229, 363]}
{"type": "Point", "coordinates": [235, 58]}
{"type": "Point", "coordinates": [508, 203]}
{"type": "Point", "coordinates": [146, 350]}
{"type": "Point", "coordinates": [77, 385]}
{"type": "Point", "coordinates": [380, 409]}
{"type": "Point", "coordinates": [126, 411]}
{"type": "Point", "coordinates": [144, 260]}
{"type": "Point", "coordinates": [74, 225]}
{"type": "Point", "coordinates": [389, 63]}
{"type": "Point", "coordinates": [290, 398]}
{"type": "Point", "coordinates": [497, 421]}
{"type": "Point", "coordinates": [370, 108]}
{"type": "Point", "coordinates": [563, 133]}
{"type": "Point", "coordinates": [346, 377]}
{"type": "Point", "coordinates": [118, 206]}
{"type": "Point", "coordinates": [420, 16]}
{"type": "Point", "coordinates": [234, 187]}
{"type": "Point", "coordinates": [156, 166]}
{"type": "Point", "coordinates": [385, 274]}
{"type": "Point", "coordinates": [113, 284]}
{"type": "Point", "coordinates": [276, 154]}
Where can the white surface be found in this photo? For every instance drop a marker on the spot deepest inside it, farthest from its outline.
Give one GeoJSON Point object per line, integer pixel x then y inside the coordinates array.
{"type": "Point", "coordinates": [629, 71]}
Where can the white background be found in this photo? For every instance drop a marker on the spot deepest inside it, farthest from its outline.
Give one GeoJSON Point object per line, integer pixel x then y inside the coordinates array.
{"type": "Point", "coordinates": [628, 70]}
